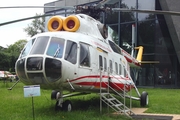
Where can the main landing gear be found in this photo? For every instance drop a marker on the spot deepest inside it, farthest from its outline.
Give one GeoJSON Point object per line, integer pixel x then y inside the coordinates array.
{"type": "Point", "coordinates": [60, 104]}
{"type": "Point", "coordinates": [144, 99]}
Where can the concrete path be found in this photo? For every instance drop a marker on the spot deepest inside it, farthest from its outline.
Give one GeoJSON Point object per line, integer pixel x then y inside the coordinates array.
{"type": "Point", "coordinates": [140, 111]}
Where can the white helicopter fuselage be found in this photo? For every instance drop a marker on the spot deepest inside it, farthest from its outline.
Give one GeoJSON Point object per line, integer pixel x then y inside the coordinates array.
{"type": "Point", "coordinates": [78, 61]}
{"type": "Point", "coordinates": [88, 77]}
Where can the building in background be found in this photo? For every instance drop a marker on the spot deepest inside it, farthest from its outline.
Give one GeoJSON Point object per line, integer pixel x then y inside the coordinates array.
{"type": "Point", "coordinates": [159, 34]}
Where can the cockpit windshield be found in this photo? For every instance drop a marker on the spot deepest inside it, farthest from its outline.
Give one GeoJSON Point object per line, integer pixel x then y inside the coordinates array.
{"type": "Point", "coordinates": [56, 47]}
{"type": "Point", "coordinates": [40, 45]}
{"type": "Point", "coordinates": [27, 48]}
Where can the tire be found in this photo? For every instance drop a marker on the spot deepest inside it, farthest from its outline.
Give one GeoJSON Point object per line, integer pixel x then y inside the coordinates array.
{"type": "Point", "coordinates": [57, 107]}
{"type": "Point", "coordinates": [67, 106]}
{"type": "Point", "coordinates": [53, 94]}
{"type": "Point", "coordinates": [144, 99]}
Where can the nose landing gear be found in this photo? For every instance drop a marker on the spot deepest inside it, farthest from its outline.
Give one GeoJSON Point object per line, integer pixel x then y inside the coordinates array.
{"type": "Point", "coordinates": [60, 104]}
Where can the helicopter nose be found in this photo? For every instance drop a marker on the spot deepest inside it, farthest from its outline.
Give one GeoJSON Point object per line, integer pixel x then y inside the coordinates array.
{"type": "Point", "coordinates": [38, 70]}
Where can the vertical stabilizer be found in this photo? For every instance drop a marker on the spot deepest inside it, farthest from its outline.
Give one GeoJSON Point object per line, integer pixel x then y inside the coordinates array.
{"type": "Point", "coordinates": [140, 52]}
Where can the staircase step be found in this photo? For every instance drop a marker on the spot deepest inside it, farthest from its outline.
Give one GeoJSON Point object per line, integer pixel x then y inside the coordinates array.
{"type": "Point", "coordinates": [110, 99]}
{"type": "Point", "coordinates": [128, 110]}
{"type": "Point", "coordinates": [117, 105]}
{"type": "Point", "coordinates": [104, 94]}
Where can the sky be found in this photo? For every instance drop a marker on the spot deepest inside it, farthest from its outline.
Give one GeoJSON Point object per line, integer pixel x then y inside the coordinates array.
{"type": "Point", "coordinates": [11, 33]}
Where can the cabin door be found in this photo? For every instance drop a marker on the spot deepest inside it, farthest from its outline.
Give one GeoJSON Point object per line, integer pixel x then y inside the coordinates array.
{"type": "Point", "coordinates": [71, 58]}
{"type": "Point", "coordinates": [84, 69]}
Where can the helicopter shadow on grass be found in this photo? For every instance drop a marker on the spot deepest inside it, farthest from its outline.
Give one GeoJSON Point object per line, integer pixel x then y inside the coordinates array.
{"type": "Point", "coordinates": [79, 103]}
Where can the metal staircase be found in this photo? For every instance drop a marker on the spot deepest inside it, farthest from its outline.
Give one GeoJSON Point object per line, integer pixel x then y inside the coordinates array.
{"type": "Point", "coordinates": [117, 105]}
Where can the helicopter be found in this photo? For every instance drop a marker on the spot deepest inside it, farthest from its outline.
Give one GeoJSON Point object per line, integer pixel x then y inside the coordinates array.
{"type": "Point", "coordinates": [78, 54]}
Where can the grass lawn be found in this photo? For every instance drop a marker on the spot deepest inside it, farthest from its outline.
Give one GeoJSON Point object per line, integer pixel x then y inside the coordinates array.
{"type": "Point", "coordinates": [14, 106]}
{"type": "Point", "coordinates": [164, 101]}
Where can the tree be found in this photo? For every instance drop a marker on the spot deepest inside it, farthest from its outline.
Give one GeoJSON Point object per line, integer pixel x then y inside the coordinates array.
{"type": "Point", "coordinates": [5, 60]}
{"type": "Point", "coordinates": [16, 48]}
{"type": "Point", "coordinates": [37, 26]}
{"type": "Point", "coordinates": [11, 54]}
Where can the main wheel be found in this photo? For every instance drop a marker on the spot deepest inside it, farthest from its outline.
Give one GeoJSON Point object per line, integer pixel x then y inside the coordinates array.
{"type": "Point", "coordinates": [144, 99]}
{"type": "Point", "coordinates": [54, 94]}
{"type": "Point", "coordinates": [67, 106]}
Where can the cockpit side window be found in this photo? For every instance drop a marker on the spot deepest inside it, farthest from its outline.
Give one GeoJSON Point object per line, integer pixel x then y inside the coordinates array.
{"type": "Point", "coordinates": [84, 55]}
{"type": "Point", "coordinates": [40, 45]}
{"type": "Point", "coordinates": [56, 47]}
{"type": "Point", "coordinates": [27, 48]}
{"type": "Point", "coordinates": [71, 52]}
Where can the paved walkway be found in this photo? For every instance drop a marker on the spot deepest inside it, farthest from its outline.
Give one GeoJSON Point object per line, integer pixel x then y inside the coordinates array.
{"type": "Point", "coordinates": [140, 111]}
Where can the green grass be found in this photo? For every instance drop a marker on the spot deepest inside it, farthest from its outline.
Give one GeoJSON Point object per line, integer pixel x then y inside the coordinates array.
{"type": "Point", "coordinates": [164, 101]}
{"type": "Point", "coordinates": [14, 106]}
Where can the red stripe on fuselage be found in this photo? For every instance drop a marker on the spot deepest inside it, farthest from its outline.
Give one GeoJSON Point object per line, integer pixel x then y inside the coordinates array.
{"type": "Point", "coordinates": [117, 86]}
{"type": "Point", "coordinates": [92, 76]}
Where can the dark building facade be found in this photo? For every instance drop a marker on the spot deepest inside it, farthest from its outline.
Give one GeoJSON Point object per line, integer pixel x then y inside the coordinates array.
{"type": "Point", "coordinates": [158, 34]}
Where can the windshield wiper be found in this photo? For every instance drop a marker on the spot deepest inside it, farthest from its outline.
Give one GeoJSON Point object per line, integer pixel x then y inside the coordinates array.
{"type": "Point", "coordinates": [57, 51]}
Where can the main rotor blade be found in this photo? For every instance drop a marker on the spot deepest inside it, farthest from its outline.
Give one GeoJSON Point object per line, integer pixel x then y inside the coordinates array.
{"type": "Point", "coordinates": [60, 7]}
{"type": "Point", "coordinates": [28, 18]}
{"type": "Point", "coordinates": [19, 20]}
{"type": "Point", "coordinates": [147, 11]}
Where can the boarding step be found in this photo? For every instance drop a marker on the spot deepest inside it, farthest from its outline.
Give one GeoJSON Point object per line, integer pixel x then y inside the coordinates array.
{"type": "Point", "coordinates": [115, 104]}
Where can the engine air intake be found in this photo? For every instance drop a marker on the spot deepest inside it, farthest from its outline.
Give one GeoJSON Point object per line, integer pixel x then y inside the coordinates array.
{"type": "Point", "coordinates": [71, 24]}
{"type": "Point", "coordinates": [55, 23]}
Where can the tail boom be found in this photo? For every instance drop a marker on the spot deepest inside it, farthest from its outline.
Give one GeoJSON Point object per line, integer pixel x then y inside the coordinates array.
{"type": "Point", "coordinates": [134, 62]}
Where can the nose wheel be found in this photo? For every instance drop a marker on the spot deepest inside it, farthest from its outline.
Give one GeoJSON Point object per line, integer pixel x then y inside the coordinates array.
{"type": "Point", "coordinates": [67, 106]}
{"type": "Point", "coordinates": [60, 105]}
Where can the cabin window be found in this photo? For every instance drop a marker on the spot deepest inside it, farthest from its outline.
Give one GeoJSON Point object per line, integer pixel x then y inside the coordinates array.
{"type": "Point", "coordinates": [105, 64]}
{"type": "Point", "coordinates": [56, 47]}
{"type": "Point", "coordinates": [111, 66]}
{"type": "Point", "coordinates": [40, 45]}
{"type": "Point", "coordinates": [84, 55]}
{"type": "Point", "coordinates": [27, 48]}
{"type": "Point", "coordinates": [71, 52]}
{"type": "Point", "coordinates": [114, 47]}
{"type": "Point", "coordinates": [125, 75]}
{"type": "Point", "coordinates": [116, 67]}
{"type": "Point", "coordinates": [100, 62]}
{"type": "Point", "coordinates": [120, 69]}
